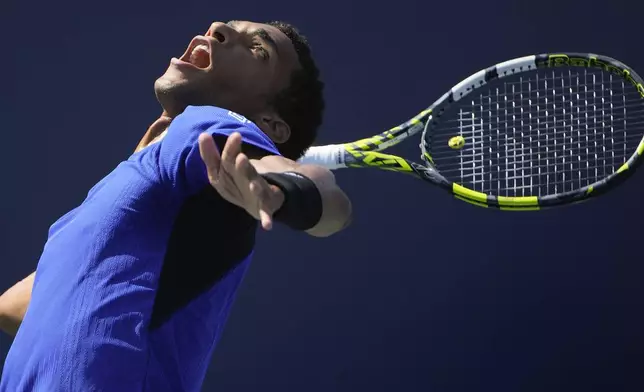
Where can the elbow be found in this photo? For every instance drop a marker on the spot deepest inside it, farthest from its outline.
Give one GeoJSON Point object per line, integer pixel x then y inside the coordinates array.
{"type": "Point", "coordinates": [7, 323]}
{"type": "Point", "coordinates": [13, 305]}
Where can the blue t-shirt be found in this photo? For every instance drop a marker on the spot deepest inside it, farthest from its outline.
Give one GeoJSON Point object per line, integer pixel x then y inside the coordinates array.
{"type": "Point", "coordinates": [134, 285]}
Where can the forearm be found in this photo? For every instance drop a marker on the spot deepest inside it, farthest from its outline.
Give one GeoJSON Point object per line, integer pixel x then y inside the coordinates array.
{"type": "Point", "coordinates": [336, 206]}
{"type": "Point", "coordinates": [14, 303]}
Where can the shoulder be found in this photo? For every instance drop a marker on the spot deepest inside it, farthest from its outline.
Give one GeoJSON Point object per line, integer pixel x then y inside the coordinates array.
{"type": "Point", "coordinates": [219, 122]}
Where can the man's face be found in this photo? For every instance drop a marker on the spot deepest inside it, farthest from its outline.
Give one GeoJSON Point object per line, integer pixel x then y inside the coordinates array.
{"type": "Point", "coordinates": [237, 66]}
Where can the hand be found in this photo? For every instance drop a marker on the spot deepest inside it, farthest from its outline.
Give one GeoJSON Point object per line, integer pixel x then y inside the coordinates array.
{"type": "Point", "coordinates": [237, 180]}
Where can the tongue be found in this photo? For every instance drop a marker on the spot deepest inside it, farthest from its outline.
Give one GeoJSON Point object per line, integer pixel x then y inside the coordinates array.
{"type": "Point", "coordinates": [200, 58]}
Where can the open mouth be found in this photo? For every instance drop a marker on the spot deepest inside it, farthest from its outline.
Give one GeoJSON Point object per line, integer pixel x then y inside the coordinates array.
{"type": "Point", "coordinates": [198, 53]}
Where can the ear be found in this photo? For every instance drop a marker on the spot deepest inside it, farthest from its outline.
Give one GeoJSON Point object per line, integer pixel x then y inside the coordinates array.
{"type": "Point", "coordinates": [275, 127]}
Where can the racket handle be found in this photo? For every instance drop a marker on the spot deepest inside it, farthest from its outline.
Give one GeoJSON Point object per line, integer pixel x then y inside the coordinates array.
{"type": "Point", "coordinates": [330, 156]}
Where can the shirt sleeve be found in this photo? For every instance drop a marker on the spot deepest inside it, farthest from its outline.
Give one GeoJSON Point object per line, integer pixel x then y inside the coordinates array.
{"type": "Point", "coordinates": [180, 164]}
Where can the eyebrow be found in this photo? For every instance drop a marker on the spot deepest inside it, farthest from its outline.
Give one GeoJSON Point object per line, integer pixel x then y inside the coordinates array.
{"type": "Point", "coordinates": [261, 33]}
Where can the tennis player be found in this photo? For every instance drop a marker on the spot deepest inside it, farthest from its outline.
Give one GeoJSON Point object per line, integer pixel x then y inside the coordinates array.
{"type": "Point", "coordinates": [134, 286]}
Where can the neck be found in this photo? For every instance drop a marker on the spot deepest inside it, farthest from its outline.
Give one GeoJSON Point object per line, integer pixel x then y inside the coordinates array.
{"type": "Point", "coordinates": [155, 130]}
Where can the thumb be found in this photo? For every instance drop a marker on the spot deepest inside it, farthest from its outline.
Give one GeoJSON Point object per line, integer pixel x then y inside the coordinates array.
{"type": "Point", "coordinates": [210, 156]}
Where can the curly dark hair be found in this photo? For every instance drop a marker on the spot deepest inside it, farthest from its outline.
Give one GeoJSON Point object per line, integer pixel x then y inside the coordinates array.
{"type": "Point", "coordinates": [301, 104]}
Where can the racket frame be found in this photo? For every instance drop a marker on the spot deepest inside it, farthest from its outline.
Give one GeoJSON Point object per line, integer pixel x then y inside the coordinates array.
{"type": "Point", "coordinates": [367, 152]}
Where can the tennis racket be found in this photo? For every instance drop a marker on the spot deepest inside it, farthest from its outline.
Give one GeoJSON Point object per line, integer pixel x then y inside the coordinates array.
{"type": "Point", "coordinates": [529, 133]}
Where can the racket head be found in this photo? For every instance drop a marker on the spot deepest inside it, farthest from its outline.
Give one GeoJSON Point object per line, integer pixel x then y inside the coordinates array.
{"type": "Point", "coordinates": [537, 131]}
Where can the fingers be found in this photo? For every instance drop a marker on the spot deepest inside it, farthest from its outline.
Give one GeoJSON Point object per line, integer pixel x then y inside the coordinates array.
{"type": "Point", "coordinates": [258, 188]}
{"type": "Point", "coordinates": [210, 156]}
{"type": "Point", "coordinates": [265, 216]}
{"type": "Point", "coordinates": [220, 179]}
{"type": "Point", "coordinates": [237, 180]}
{"type": "Point", "coordinates": [231, 150]}
{"type": "Point", "coordinates": [266, 219]}
{"type": "Point", "coordinates": [244, 168]}
{"type": "Point", "coordinates": [266, 204]}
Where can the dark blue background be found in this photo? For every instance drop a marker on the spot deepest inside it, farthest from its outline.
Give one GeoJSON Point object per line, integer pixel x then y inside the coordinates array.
{"type": "Point", "coordinates": [423, 292]}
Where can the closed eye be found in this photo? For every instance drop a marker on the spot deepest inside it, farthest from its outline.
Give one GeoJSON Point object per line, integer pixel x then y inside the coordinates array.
{"type": "Point", "coordinates": [261, 36]}
{"type": "Point", "coordinates": [263, 52]}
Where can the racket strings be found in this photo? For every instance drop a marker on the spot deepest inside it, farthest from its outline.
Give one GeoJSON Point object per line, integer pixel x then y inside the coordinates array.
{"type": "Point", "coordinates": [535, 146]}
{"type": "Point", "coordinates": [541, 134]}
{"type": "Point", "coordinates": [543, 117]}
{"type": "Point", "coordinates": [547, 161]}
{"type": "Point", "coordinates": [547, 92]}
{"type": "Point", "coordinates": [599, 170]}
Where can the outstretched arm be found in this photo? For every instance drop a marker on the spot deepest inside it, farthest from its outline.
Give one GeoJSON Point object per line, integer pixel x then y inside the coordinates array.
{"type": "Point", "coordinates": [336, 209]}
{"type": "Point", "coordinates": [14, 303]}
{"type": "Point", "coordinates": [310, 199]}
{"type": "Point", "coordinates": [235, 174]}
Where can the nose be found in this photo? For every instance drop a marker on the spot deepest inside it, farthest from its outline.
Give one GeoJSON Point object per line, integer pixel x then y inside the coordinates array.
{"type": "Point", "coordinates": [221, 32]}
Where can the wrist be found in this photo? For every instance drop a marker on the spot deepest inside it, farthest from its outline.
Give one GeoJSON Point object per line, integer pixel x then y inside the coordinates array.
{"type": "Point", "coordinates": [301, 206]}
